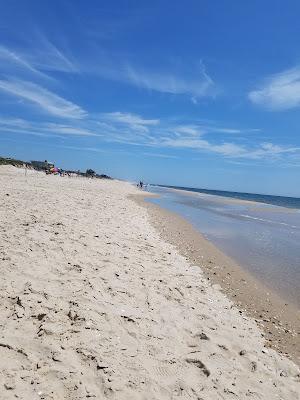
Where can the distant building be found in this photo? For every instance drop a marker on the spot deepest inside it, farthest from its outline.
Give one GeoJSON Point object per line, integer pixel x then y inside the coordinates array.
{"type": "Point", "coordinates": [42, 165]}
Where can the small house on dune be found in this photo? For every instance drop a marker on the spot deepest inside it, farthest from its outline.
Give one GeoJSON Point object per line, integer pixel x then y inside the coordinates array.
{"type": "Point", "coordinates": [42, 165]}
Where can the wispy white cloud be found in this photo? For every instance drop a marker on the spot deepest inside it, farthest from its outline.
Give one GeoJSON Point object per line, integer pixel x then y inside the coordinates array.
{"type": "Point", "coordinates": [132, 120]}
{"type": "Point", "coordinates": [197, 85]}
{"type": "Point", "coordinates": [136, 154]}
{"type": "Point", "coordinates": [280, 91]}
{"type": "Point", "coordinates": [189, 79]}
{"type": "Point", "coordinates": [225, 130]}
{"type": "Point", "coordinates": [37, 60]}
{"type": "Point", "coordinates": [273, 150]}
{"type": "Point", "coordinates": [209, 138]}
{"type": "Point", "coordinates": [189, 130]}
{"type": "Point", "coordinates": [232, 150]}
{"type": "Point", "coordinates": [200, 129]}
{"type": "Point", "coordinates": [11, 59]}
{"type": "Point", "coordinates": [45, 100]}
{"type": "Point", "coordinates": [14, 122]}
{"type": "Point", "coordinates": [21, 126]}
{"type": "Point", "coordinates": [89, 149]}
{"type": "Point", "coordinates": [69, 130]}
{"type": "Point", "coordinates": [128, 129]}
{"type": "Point", "coordinates": [44, 55]}
{"type": "Point", "coordinates": [41, 57]}
{"type": "Point", "coordinates": [159, 155]}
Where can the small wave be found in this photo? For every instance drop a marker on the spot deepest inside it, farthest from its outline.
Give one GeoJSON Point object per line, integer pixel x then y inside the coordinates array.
{"type": "Point", "coordinates": [268, 220]}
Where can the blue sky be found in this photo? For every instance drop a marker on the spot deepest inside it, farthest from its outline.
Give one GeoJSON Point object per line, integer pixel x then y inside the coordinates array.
{"type": "Point", "coordinates": [196, 93]}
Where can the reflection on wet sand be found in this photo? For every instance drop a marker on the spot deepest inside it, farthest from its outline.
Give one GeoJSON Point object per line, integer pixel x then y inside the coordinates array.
{"type": "Point", "coordinates": [261, 237]}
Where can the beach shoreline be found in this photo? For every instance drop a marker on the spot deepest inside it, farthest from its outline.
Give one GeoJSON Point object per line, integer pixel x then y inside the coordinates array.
{"type": "Point", "coordinates": [96, 304]}
{"type": "Point", "coordinates": [279, 320]}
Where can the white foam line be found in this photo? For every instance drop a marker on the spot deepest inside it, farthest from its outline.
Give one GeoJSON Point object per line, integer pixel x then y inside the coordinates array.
{"type": "Point", "coordinates": [267, 220]}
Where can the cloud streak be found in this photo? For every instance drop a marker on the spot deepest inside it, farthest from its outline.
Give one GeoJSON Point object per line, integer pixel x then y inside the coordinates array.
{"type": "Point", "coordinates": [133, 121]}
{"type": "Point", "coordinates": [210, 139]}
{"type": "Point", "coordinates": [48, 57]}
{"type": "Point", "coordinates": [195, 137]}
{"type": "Point", "coordinates": [42, 98]}
{"type": "Point", "coordinates": [11, 58]}
{"type": "Point", "coordinates": [279, 92]}
{"type": "Point", "coordinates": [41, 57]}
{"type": "Point", "coordinates": [197, 85]}
{"type": "Point", "coordinates": [21, 126]}
{"type": "Point", "coordinates": [37, 63]}
{"type": "Point", "coordinates": [193, 81]}
{"type": "Point", "coordinates": [158, 135]}
{"type": "Point", "coordinates": [232, 150]}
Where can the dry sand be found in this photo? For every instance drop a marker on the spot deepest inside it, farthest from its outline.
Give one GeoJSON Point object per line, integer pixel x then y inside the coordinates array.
{"type": "Point", "coordinates": [94, 304]}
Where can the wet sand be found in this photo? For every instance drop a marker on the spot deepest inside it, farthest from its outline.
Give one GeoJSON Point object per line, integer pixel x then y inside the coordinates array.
{"type": "Point", "coordinates": [266, 244]}
{"type": "Point", "coordinates": [279, 320]}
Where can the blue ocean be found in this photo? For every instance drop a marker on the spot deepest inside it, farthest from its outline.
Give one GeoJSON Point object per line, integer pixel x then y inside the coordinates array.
{"type": "Point", "coordinates": [283, 201]}
{"type": "Point", "coordinates": [260, 232]}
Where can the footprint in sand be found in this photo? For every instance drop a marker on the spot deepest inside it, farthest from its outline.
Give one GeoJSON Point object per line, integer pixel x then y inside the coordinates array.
{"type": "Point", "coordinates": [166, 368]}
{"type": "Point", "coordinates": [199, 364]}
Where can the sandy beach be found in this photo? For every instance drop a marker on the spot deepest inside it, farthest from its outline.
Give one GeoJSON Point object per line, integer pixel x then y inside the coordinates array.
{"type": "Point", "coordinates": [95, 303]}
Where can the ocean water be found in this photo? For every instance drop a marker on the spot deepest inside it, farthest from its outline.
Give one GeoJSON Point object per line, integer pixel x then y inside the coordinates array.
{"type": "Point", "coordinates": [283, 201]}
{"type": "Point", "coordinates": [262, 233]}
